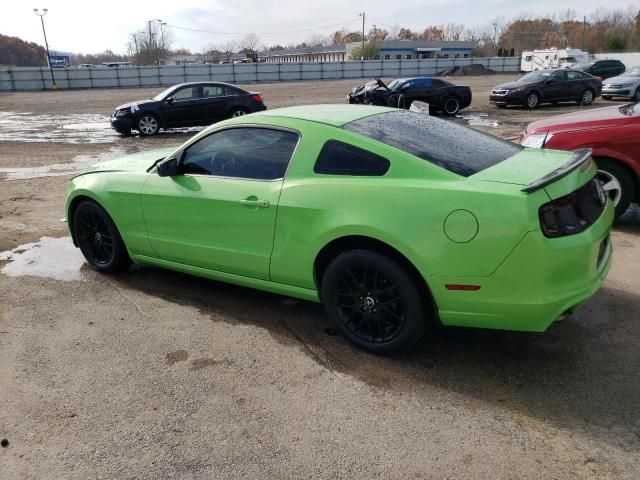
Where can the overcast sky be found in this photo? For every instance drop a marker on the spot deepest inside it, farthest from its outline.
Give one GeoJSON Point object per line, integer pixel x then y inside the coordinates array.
{"type": "Point", "coordinates": [89, 26]}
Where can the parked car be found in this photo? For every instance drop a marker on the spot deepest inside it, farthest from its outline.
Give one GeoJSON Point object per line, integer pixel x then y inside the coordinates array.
{"type": "Point", "coordinates": [441, 96]}
{"type": "Point", "coordinates": [625, 85]}
{"type": "Point", "coordinates": [547, 86]}
{"type": "Point", "coordinates": [613, 133]}
{"type": "Point", "coordinates": [602, 68]}
{"type": "Point", "coordinates": [392, 219]}
{"type": "Point", "coordinates": [185, 105]}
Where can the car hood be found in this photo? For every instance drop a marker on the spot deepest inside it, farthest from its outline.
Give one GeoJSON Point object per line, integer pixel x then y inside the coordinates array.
{"type": "Point", "coordinates": [525, 167]}
{"type": "Point", "coordinates": [621, 79]}
{"type": "Point", "coordinates": [137, 162]}
{"type": "Point", "coordinates": [512, 85]}
{"type": "Point", "coordinates": [583, 119]}
{"type": "Point", "coordinates": [137, 103]}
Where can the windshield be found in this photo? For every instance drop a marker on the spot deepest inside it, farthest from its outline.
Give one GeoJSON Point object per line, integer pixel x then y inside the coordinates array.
{"type": "Point", "coordinates": [163, 94]}
{"type": "Point", "coordinates": [634, 72]}
{"type": "Point", "coordinates": [582, 66]}
{"type": "Point", "coordinates": [459, 149]}
{"type": "Point", "coordinates": [533, 77]}
{"type": "Point", "coordinates": [632, 109]}
{"type": "Point", "coordinates": [393, 84]}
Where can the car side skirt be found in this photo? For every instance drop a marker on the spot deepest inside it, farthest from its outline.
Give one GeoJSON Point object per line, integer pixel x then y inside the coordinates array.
{"type": "Point", "coordinates": [273, 287]}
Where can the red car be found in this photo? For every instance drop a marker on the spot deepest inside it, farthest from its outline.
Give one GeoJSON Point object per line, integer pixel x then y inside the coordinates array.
{"type": "Point", "coordinates": [613, 133]}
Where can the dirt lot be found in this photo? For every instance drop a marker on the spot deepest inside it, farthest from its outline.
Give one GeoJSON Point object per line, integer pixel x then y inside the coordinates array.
{"type": "Point", "coordinates": [154, 374]}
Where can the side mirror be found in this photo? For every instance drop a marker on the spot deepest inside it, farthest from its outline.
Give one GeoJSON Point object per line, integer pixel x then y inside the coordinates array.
{"type": "Point", "coordinates": [170, 100]}
{"type": "Point", "coordinates": [168, 167]}
{"type": "Point", "coordinates": [550, 80]}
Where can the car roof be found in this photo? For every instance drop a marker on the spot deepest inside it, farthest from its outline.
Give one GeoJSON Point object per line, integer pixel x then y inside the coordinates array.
{"type": "Point", "coordinates": [224, 84]}
{"type": "Point", "coordinates": [331, 114]}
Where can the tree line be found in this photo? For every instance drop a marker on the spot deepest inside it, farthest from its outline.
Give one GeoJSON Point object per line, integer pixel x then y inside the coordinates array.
{"type": "Point", "coordinates": [604, 30]}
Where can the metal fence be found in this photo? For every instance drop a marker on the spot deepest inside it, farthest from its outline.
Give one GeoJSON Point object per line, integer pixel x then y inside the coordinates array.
{"type": "Point", "coordinates": [39, 78]}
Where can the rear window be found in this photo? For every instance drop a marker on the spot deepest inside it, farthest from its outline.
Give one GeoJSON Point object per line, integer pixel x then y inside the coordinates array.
{"type": "Point", "coordinates": [459, 149]}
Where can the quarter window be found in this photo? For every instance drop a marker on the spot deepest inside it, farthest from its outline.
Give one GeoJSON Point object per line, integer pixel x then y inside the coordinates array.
{"type": "Point", "coordinates": [337, 158]}
{"type": "Point", "coordinates": [251, 153]}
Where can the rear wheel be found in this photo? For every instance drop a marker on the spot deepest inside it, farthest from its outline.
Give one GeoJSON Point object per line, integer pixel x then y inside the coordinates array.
{"type": "Point", "coordinates": [587, 97]}
{"type": "Point", "coordinates": [451, 106]}
{"type": "Point", "coordinates": [98, 238]}
{"type": "Point", "coordinates": [237, 112]}
{"type": "Point", "coordinates": [532, 100]}
{"type": "Point", "coordinates": [617, 183]}
{"type": "Point", "coordinates": [373, 301]}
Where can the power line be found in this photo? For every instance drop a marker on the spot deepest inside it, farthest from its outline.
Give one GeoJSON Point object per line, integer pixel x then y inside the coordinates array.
{"type": "Point", "coordinates": [264, 33]}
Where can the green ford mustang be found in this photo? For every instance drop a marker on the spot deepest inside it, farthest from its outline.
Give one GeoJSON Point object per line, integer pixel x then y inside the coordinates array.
{"type": "Point", "coordinates": [392, 219]}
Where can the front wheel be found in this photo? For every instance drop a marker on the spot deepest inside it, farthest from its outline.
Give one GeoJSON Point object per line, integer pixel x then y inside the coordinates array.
{"type": "Point", "coordinates": [98, 238]}
{"type": "Point", "coordinates": [451, 106]}
{"type": "Point", "coordinates": [373, 301]}
{"type": "Point", "coordinates": [148, 125]}
{"type": "Point", "coordinates": [532, 100]}
{"type": "Point", "coordinates": [617, 183]}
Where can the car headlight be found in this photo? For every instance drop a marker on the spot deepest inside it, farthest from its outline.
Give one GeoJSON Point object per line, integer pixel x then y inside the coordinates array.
{"type": "Point", "coordinates": [123, 112]}
{"type": "Point", "coordinates": [536, 140]}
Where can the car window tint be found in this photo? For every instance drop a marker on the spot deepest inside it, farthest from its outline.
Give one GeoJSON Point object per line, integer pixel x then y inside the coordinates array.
{"type": "Point", "coordinates": [209, 91]}
{"type": "Point", "coordinates": [338, 158]}
{"type": "Point", "coordinates": [558, 76]}
{"type": "Point", "coordinates": [188, 93]}
{"type": "Point", "coordinates": [252, 153]}
{"type": "Point", "coordinates": [459, 149]}
{"type": "Point", "coordinates": [575, 75]}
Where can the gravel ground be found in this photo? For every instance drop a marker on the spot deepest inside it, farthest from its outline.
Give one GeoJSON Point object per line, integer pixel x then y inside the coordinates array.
{"type": "Point", "coordinates": [154, 374]}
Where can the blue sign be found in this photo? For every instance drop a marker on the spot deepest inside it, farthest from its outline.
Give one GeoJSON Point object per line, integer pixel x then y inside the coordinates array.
{"type": "Point", "coordinates": [59, 61]}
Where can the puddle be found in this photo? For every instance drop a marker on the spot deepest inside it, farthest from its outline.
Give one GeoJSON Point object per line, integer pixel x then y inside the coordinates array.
{"type": "Point", "coordinates": [54, 258]}
{"type": "Point", "coordinates": [479, 120]}
{"type": "Point", "coordinates": [78, 163]}
{"type": "Point", "coordinates": [77, 128]}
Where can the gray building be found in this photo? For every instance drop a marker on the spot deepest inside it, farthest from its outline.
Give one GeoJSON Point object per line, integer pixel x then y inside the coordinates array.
{"type": "Point", "coordinates": [389, 50]}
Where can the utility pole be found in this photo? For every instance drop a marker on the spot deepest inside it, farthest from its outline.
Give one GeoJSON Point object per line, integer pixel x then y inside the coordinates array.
{"type": "Point", "coordinates": [584, 28]}
{"type": "Point", "coordinates": [46, 44]}
{"type": "Point", "coordinates": [363, 17]}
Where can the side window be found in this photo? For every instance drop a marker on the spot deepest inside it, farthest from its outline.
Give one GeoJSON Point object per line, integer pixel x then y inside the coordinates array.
{"type": "Point", "coordinates": [337, 158]}
{"type": "Point", "coordinates": [572, 75]}
{"type": "Point", "coordinates": [212, 91]}
{"type": "Point", "coordinates": [558, 76]}
{"type": "Point", "coordinates": [188, 93]}
{"type": "Point", "coordinates": [251, 153]}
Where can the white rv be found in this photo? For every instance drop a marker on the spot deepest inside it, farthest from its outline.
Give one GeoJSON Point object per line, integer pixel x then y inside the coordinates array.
{"type": "Point", "coordinates": [552, 58]}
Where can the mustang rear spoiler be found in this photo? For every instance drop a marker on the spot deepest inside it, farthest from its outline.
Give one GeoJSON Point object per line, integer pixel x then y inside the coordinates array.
{"type": "Point", "coordinates": [578, 158]}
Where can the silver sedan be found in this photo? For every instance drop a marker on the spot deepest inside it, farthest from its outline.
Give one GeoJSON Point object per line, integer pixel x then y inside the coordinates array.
{"type": "Point", "coordinates": [626, 85]}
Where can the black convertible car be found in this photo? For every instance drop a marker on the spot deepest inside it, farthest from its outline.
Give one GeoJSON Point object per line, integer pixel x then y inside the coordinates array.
{"type": "Point", "coordinates": [185, 105]}
{"type": "Point", "coordinates": [548, 86]}
{"type": "Point", "coordinates": [441, 96]}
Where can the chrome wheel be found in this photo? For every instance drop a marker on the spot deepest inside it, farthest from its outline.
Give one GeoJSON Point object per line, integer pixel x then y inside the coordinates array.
{"type": "Point", "coordinates": [611, 186]}
{"type": "Point", "coordinates": [587, 97]}
{"type": "Point", "coordinates": [148, 125]}
{"type": "Point", "coordinates": [238, 113]}
{"type": "Point", "coordinates": [532, 100]}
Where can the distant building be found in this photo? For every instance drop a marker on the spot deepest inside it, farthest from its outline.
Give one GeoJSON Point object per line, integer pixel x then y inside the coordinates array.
{"type": "Point", "coordinates": [389, 50]}
{"type": "Point", "coordinates": [184, 60]}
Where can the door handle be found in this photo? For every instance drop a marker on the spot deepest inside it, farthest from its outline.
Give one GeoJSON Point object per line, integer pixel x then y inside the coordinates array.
{"type": "Point", "coordinates": [254, 202]}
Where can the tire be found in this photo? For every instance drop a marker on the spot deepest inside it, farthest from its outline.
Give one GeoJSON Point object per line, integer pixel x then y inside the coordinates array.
{"type": "Point", "coordinates": [99, 239]}
{"type": "Point", "coordinates": [587, 97]}
{"type": "Point", "coordinates": [606, 97]}
{"type": "Point", "coordinates": [532, 100]}
{"type": "Point", "coordinates": [636, 97]}
{"type": "Point", "coordinates": [501, 106]}
{"type": "Point", "coordinates": [451, 106]}
{"type": "Point", "coordinates": [618, 184]}
{"type": "Point", "coordinates": [148, 125]}
{"type": "Point", "coordinates": [237, 112]}
{"type": "Point", "coordinates": [373, 301]}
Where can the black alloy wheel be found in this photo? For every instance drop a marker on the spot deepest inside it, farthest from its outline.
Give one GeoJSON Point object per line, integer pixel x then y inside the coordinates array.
{"type": "Point", "coordinates": [373, 301]}
{"type": "Point", "coordinates": [98, 238]}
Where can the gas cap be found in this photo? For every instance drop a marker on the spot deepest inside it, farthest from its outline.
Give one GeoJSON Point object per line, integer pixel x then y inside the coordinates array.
{"type": "Point", "coordinates": [461, 226]}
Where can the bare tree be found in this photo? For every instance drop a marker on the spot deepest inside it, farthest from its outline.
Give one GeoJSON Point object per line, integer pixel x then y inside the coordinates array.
{"type": "Point", "coordinates": [228, 49]}
{"type": "Point", "coordinates": [249, 43]}
{"type": "Point", "coordinates": [151, 45]}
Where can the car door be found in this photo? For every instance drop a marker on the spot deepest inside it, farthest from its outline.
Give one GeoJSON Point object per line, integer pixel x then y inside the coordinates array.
{"type": "Point", "coordinates": [555, 87]}
{"type": "Point", "coordinates": [418, 89]}
{"type": "Point", "coordinates": [214, 102]}
{"type": "Point", "coordinates": [576, 83]}
{"type": "Point", "coordinates": [219, 211]}
{"type": "Point", "coordinates": [182, 108]}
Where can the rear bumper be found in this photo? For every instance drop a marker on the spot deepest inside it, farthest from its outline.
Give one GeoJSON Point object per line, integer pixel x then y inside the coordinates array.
{"type": "Point", "coordinates": [540, 280]}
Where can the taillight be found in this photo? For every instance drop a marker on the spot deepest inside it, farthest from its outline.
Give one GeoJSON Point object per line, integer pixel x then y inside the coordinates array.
{"type": "Point", "coordinates": [257, 97]}
{"type": "Point", "coordinates": [573, 213]}
{"type": "Point", "coordinates": [599, 79]}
